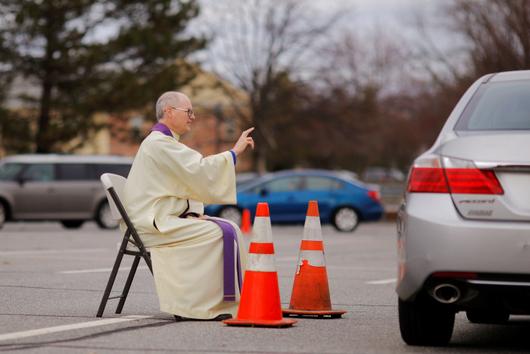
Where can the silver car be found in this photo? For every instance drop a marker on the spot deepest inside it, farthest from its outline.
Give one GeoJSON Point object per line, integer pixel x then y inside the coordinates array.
{"type": "Point", "coordinates": [63, 188]}
{"type": "Point", "coordinates": [464, 225]}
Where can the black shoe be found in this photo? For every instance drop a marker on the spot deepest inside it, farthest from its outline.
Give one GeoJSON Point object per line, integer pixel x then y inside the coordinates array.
{"type": "Point", "coordinates": [221, 317]}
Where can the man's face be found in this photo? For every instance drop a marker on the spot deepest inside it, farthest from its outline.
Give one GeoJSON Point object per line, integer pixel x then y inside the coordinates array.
{"type": "Point", "coordinates": [178, 117]}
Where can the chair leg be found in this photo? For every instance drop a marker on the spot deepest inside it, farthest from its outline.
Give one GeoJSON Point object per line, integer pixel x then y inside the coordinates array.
{"type": "Point", "coordinates": [143, 252]}
{"type": "Point", "coordinates": [147, 259]}
{"type": "Point", "coordinates": [110, 283]}
{"type": "Point", "coordinates": [128, 283]}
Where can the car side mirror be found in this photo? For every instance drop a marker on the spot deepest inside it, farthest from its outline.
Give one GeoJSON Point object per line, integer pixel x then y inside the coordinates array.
{"type": "Point", "coordinates": [264, 192]}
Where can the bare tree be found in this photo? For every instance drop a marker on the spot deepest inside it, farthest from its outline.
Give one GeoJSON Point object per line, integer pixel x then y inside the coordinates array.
{"type": "Point", "coordinates": [260, 43]}
{"type": "Point", "coordinates": [361, 71]}
{"type": "Point", "coordinates": [497, 31]}
{"type": "Point", "coordinates": [472, 38]}
{"type": "Point", "coordinates": [355, 62]}
{"type": "Point", "coordinates": [481, 36]}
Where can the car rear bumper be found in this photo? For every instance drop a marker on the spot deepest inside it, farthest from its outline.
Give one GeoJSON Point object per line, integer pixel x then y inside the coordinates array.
{"type": "Point", "coordinates": [432, 237]}
{"type": "Point", "coordinates": [505, 293]}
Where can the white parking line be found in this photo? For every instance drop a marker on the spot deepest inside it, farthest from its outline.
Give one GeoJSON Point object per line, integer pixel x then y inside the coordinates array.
{"type": "Point", "coordinates": [73, 250]}
{"type": "Point", "coordinates": [381, 282]}
{"type": "Point", "coordinates": [97, 270]}
{"type": "Point", "coordinates": [361, 269]}
{"type": "Point", "coordinates": [69, 327]}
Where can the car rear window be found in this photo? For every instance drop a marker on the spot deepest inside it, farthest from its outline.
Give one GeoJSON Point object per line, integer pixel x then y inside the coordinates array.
{"type": "Point", "coordinates": [498, 106]}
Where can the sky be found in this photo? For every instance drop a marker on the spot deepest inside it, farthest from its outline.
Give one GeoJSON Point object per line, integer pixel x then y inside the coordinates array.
{"type": "Point", "coordinates": [367, 20]}
{"type": "Point", "coordinates": [386, 15]}
{"type": "Point", "coordinates": [364, 16]}
{"type": "Point", "coordinates": [383, 12]}
{"type": "Point", "coordinates": [359, 15]}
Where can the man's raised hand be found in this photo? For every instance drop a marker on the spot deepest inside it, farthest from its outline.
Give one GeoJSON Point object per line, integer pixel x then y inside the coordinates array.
{"type": "Point", "coordinates": [244, 141]}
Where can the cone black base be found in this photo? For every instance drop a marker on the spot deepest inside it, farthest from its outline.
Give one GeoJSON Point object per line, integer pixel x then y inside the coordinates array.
{"type": "Point", "coordinates": [327, 314]}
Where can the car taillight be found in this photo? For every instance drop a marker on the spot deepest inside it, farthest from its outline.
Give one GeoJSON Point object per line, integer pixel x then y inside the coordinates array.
{"type": "Point", "coordinates": [472, 181]}
{"type": "Point", "coordinates": [427, 180]}
{"type": "Point", "coordinates": [453, 176]}
{"type": "Point", "coordinates": [374, 195]}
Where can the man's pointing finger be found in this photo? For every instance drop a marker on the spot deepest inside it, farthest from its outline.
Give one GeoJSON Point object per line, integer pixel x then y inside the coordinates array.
{"type": "Point", "coordinates": [248, 131]}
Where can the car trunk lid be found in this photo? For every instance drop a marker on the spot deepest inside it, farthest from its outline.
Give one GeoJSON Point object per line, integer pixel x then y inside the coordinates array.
{"type": "Point", "coordinates": [507, 156]}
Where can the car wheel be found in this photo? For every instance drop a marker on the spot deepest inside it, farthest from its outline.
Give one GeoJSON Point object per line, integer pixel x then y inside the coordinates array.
{"type": "Point", "coordinates": [104, 217]}
{"type": "Point", "coordinates": [487, 316]}
{"type": "Point", "coordinates": [3, 214]}
{"type": "Point", "coordinates": [425, 323]}
{"type": "Point", "coordinates": [72, 224]}
{"type": "Point", "coordinates": [345, 219]}
{"type": "Point", "coordinates": [231, 213]}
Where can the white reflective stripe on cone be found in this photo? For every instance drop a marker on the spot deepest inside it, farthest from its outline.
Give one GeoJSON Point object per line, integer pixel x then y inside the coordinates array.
{"type": "Point", "coordinates": [262, 229]}
{"type": "Point", "coordinates": [261, 262]}
{"type": "Point", "coordinates": [312, 228]}
{"type": "Point", "coordinates": [314, 258]}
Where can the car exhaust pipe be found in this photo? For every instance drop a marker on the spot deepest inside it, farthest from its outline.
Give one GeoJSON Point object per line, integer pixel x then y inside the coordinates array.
{"type": "Point", "coordinates": [446, 293]}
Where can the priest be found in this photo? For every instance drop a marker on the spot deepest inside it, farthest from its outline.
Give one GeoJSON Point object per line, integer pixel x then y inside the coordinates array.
{"type": "Point", "coordinates": [198, 261]}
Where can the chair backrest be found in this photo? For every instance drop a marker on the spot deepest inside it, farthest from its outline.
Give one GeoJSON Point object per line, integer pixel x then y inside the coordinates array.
{"type": "Point", "coordinates": [116, 182]}
{"type": "Point", "coordinates": [114, 186]}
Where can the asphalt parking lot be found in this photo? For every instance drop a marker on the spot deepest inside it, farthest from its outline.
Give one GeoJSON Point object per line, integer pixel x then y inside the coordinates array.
{"type": "Point", "coordinates": [52, 279]}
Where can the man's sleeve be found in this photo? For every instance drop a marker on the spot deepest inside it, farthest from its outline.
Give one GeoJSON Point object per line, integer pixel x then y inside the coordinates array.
{"type": "Point", "coordinates": [208, 179]}
{"type": "Point", "coordinates": [234, 157]}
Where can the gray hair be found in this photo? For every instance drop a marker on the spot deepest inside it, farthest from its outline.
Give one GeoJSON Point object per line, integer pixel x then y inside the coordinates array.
{"type": "Point", "coordinates": [170, 98]}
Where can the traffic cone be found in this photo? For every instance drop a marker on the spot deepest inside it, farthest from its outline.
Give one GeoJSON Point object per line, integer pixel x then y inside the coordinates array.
{"type": "Point", "coordinates": [246, 225]}
{"type": "Point", "coordinates": [260, 298]}
{"type": "Point", "coordinates": [310, 296]}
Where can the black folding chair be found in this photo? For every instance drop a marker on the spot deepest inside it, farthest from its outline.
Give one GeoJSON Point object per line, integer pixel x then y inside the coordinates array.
{"type": "Point", "coordinates": [114, 185]}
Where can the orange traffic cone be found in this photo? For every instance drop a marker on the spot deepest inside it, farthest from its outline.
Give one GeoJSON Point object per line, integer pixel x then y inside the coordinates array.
{"type": "Point", "coordinates": [246, 225]}
{"type": "Point", "coordinates": [310, 295]}
{"type": "Point", "coordinates": [260, 298]}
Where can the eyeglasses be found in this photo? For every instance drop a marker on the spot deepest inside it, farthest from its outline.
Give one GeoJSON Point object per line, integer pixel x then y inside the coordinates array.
{"type": "Point", "coordinates": [188, 111]}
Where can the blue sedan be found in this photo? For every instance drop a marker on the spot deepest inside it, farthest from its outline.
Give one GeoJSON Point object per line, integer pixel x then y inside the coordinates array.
{"type": "Point", "coordinates": [342, 201]}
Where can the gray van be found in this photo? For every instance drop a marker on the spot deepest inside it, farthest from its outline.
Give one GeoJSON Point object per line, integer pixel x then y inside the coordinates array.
{"type": "Point", "coordinates": [63, 188]}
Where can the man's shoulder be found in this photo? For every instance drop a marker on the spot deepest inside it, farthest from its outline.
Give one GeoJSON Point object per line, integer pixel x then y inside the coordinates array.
{"type": "Point", "coordinates": [157, 140]}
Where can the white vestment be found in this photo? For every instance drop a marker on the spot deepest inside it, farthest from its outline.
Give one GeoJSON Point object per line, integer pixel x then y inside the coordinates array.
{"type": "Point", "coordinates": [187, 253]}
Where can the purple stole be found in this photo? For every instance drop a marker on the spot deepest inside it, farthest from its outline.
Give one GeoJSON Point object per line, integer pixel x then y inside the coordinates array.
{"type": "Point", "coordinates": [162, 128]}
{"type": "Point", "coordinates": [229, 241]}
